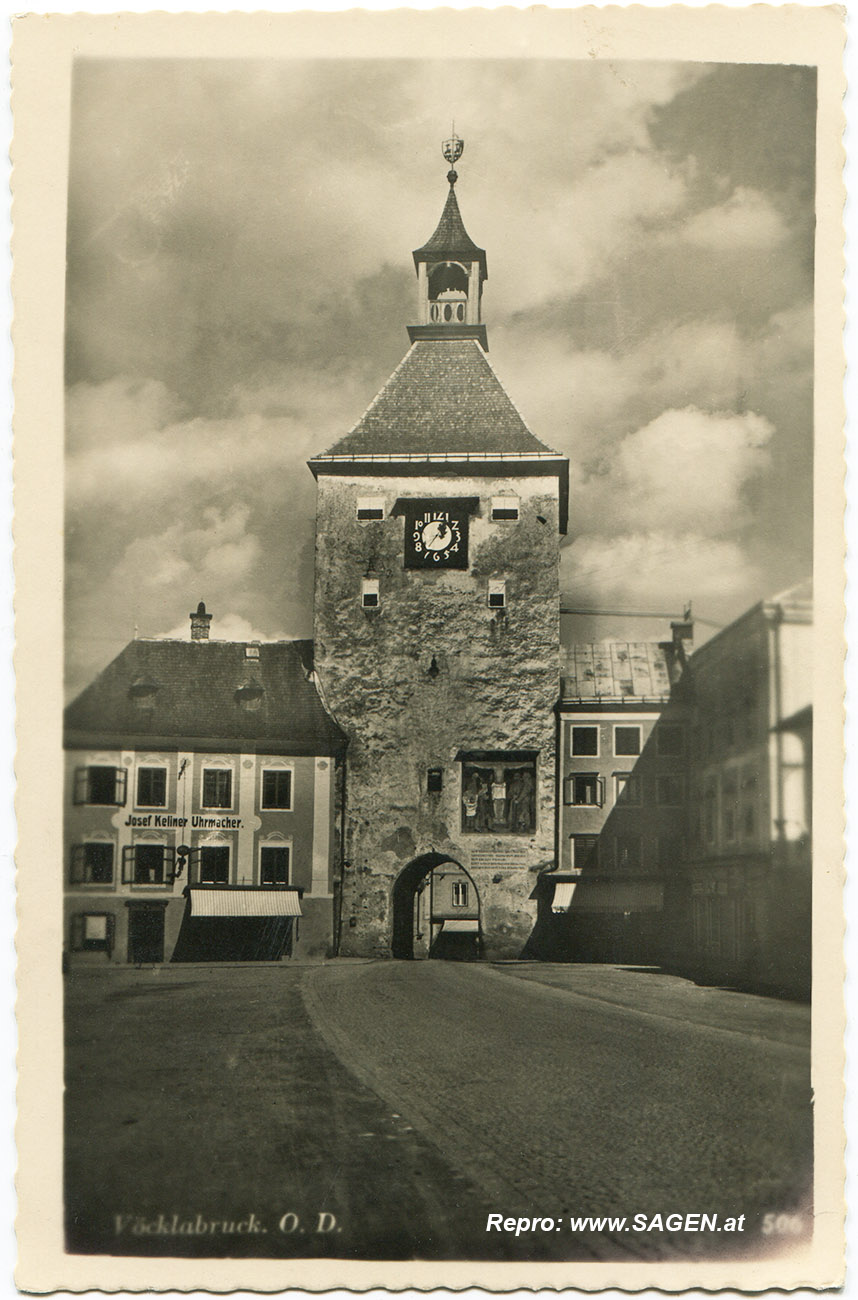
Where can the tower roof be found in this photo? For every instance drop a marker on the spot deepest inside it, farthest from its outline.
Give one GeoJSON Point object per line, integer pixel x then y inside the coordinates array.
{"type": "Point", "coordinates": [451, 241]}
{"type": "Point", "coordinates": [443, 398]}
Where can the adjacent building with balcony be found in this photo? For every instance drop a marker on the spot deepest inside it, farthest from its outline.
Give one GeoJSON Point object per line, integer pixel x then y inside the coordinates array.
{"type": "Point", "coordinates": [202, 784]}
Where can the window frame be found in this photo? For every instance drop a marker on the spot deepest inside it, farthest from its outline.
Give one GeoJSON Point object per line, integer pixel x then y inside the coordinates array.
{"type": "Point", "coordinates": [130, 865]}
{"type": "Point", "coordinates": [618, 852]}
{"type": "Point", "coordinates": [78, 941]}
{"type": "Point", "coordinates": [82, 794]}
{"type": "Point", "coordinates": [628, 789]}
{"type": "Point", "coordinates": [569, 790]}
{"type": "Point", "coordinates": [202, 850]}
{"type": "Point", "coordinates": [459, 894]}
{"type": "Point", "coordinates": [370, 594]}
{"type": "Point", "coordinates": [277, 771]}
{"type": "Point", "coordinates": [584, 726]}
{"type": "Point", "coordinates": [592, 858]}
{"type": "Point", "coordinates": [503, 513]}
{"type": "Point", "coordinates": [150, 767]}
{"type": "Point", "coordinates": [205, 770]}
{"type": "Point", "coordinates": [369, 509]}
{"type": "Point", "coordinates": [272, 847]}
{"type": "Point", "coordinates": [628, 726]}
{"type": "Point", "coordinates": [496, 593]}
{"type": "Point", "coordinates": [80, 871]}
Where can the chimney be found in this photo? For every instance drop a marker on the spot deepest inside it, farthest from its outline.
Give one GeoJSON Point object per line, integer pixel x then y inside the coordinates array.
{"type": "Point", "coordinates": [200, 623]}
{"type": "Point", "coordinates": [683, 637]}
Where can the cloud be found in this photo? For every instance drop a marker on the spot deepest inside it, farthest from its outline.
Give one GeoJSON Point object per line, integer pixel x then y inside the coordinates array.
{"type": "Point", "coordinates": [747, 220]}
{"type": "Point", "coordinates": [686, 470]}
{"type": "Point", "coordinates": [224, 627]}
{"type": "Point", "coordinates": [658, 571]}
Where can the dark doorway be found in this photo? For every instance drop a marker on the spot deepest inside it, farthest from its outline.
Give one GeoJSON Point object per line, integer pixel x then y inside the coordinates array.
{"type": "Point", "coordinates": [145, 934]}
{"type": "Point", "coordinates": [420, 915]}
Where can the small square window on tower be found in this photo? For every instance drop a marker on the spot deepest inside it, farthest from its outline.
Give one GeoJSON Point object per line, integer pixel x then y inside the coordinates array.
{"type": "Point", "coordinates": [370, 508]}
{"type": "Point", "coordinates": [369, 593]}
{"type": "Point", "coordinates": [497, 593]}
{"type": "Point", "coordinates": [434, 780]}
{"type": "Point", "coordinates": [504, 508]}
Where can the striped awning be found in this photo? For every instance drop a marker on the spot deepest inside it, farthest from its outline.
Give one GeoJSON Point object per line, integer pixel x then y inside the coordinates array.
{"type": "Point", "coordinates": [461, 927]}
{"type": "Point", "coordinates": [245, 902]}
{"type": "Point", "coordinates": [563, 891]}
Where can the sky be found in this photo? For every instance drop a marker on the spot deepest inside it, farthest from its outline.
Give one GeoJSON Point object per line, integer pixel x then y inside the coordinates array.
{"type": "Point", "coordinates": [240, 281]}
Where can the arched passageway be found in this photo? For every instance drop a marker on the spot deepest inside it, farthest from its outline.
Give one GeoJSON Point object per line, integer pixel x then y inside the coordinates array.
{"type": "Point", "coordinates": [436, 911]}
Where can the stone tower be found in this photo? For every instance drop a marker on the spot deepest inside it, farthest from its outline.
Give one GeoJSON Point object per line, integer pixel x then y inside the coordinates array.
{"type": "Point", "coordinates": [437, 632]}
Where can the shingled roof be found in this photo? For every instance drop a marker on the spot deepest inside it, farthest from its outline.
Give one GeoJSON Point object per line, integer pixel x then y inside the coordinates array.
{"type": "Point", "coordinates": [443, 397]}
{"type": "Point", "coordinates": [164, 694]}
{"type": "Point", "coordinates": [451, 240]}
{"type": "Point", "coordinates": [616, 671]}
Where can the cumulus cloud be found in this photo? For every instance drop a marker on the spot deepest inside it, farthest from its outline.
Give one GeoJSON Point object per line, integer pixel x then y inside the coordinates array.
{"type": "Point", "coordinates": [658, 570]}
{"type": "Point", "coordinates": [687, 469]}
{"type": "Point", "coordinates": [748, 219]}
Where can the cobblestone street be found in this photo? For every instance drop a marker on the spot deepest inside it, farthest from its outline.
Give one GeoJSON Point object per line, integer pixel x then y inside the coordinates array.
{"type": "Point", "coordinates": [409, 1100]}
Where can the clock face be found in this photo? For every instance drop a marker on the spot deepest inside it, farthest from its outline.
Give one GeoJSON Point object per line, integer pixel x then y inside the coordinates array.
{"type": "Point", "coordinates": [436, 537]}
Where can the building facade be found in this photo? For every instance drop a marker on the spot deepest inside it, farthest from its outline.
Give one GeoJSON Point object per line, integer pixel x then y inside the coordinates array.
{"type": "Point", "coordinates": [436, 630]}
{"type": "Point", "coordinates": [621, 797]}
{"type": "Point", "coordinates": [201, 795]}
{"type": "Point", "coordinates": [747, 914]}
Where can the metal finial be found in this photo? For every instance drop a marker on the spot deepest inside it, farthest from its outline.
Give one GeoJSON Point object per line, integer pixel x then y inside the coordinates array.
{"type": "Point", "coordinates": [452, 150]}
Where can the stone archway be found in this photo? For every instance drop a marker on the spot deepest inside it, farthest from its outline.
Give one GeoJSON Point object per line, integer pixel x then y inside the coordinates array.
{"type": "Point", "coordinates": [406, 889]}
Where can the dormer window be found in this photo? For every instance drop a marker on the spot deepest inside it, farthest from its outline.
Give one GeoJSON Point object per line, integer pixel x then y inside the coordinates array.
{"type": "Point", "coordinates": [249, 695]}
{"type": "Point", "coordinates": [143, 692]}
{"type": "Point", "coordinates": [252, 651]}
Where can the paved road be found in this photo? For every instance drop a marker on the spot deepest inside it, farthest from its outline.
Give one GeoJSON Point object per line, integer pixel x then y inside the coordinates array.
{"type": "Point", "coordinates": [411, 1100]}
{"type": "Point", "coordinates": [561, 1101]}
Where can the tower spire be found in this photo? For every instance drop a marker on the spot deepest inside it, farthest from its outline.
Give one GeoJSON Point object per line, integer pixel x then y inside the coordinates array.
{"type": "Point", "coordinates": [451, 270]}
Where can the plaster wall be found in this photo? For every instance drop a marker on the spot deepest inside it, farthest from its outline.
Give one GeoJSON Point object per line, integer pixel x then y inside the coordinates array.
{"type": "Point", "coordinates": [496, 683]}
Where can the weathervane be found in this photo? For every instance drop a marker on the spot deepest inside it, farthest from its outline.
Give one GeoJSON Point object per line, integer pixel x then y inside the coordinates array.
{"type": "Point", "coordinates": [452, 150]}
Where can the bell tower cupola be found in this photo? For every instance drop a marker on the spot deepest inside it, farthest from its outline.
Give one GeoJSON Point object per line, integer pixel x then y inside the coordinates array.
{"type": "Point", "coordinates": [451, 270]}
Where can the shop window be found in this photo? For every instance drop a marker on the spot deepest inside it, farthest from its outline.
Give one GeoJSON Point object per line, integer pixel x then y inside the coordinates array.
{"type": "Point", "coordinates": [504, 508]}
{"type": "Point", "coordinates": [151, 787]}
{"type": "Point", "coordinates": [497, 593]}
{"type": "Point", "coordinates": [628, 852]}
{"type": "Point", "coordinates": [370, 508]}
{"type": "Point", "coordinates": [585, 742]}
{"type": "Point", "coordinates": [460, 893]}
{"type": "Point", "coordinates": [100, 785]}
{"type": "Point", "coordinates": [671, 740]}
{"type": "Point", "coordinates": [499, 794]}
{"type": "Point", "coordinates": [217, 787]}
{"type": "Point", "coordinates": [627, 740]}
{"type": "Point", "coordinates": [668, 788]}
{"type": "Point", "coordinates": [585, 788]}
{"type": "Point", "coordinates": [369, 596]}
{"type": "Point", "coordinates": [92, 863]}
{"type": "Point", "coordinates": [274, 865]}
{"type": "Point", "coordinates": [434, 780]}
{"type": "Point", "coordinates": [277, 788]}
{"type": "Point", "coordinates": [148, 864]}
{"type": "Point", "coordinates": [585, 852]}
{"type": "Point", "coordinates": [92, 932]}
{"type": "Point", "coordinates": [214, 864]}
{"type": "Point", "coordinates": [629, 788]}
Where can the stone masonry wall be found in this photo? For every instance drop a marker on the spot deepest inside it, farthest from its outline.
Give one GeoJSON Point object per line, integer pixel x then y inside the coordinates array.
{"type": "Point", "coordinates": [495, 689]}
